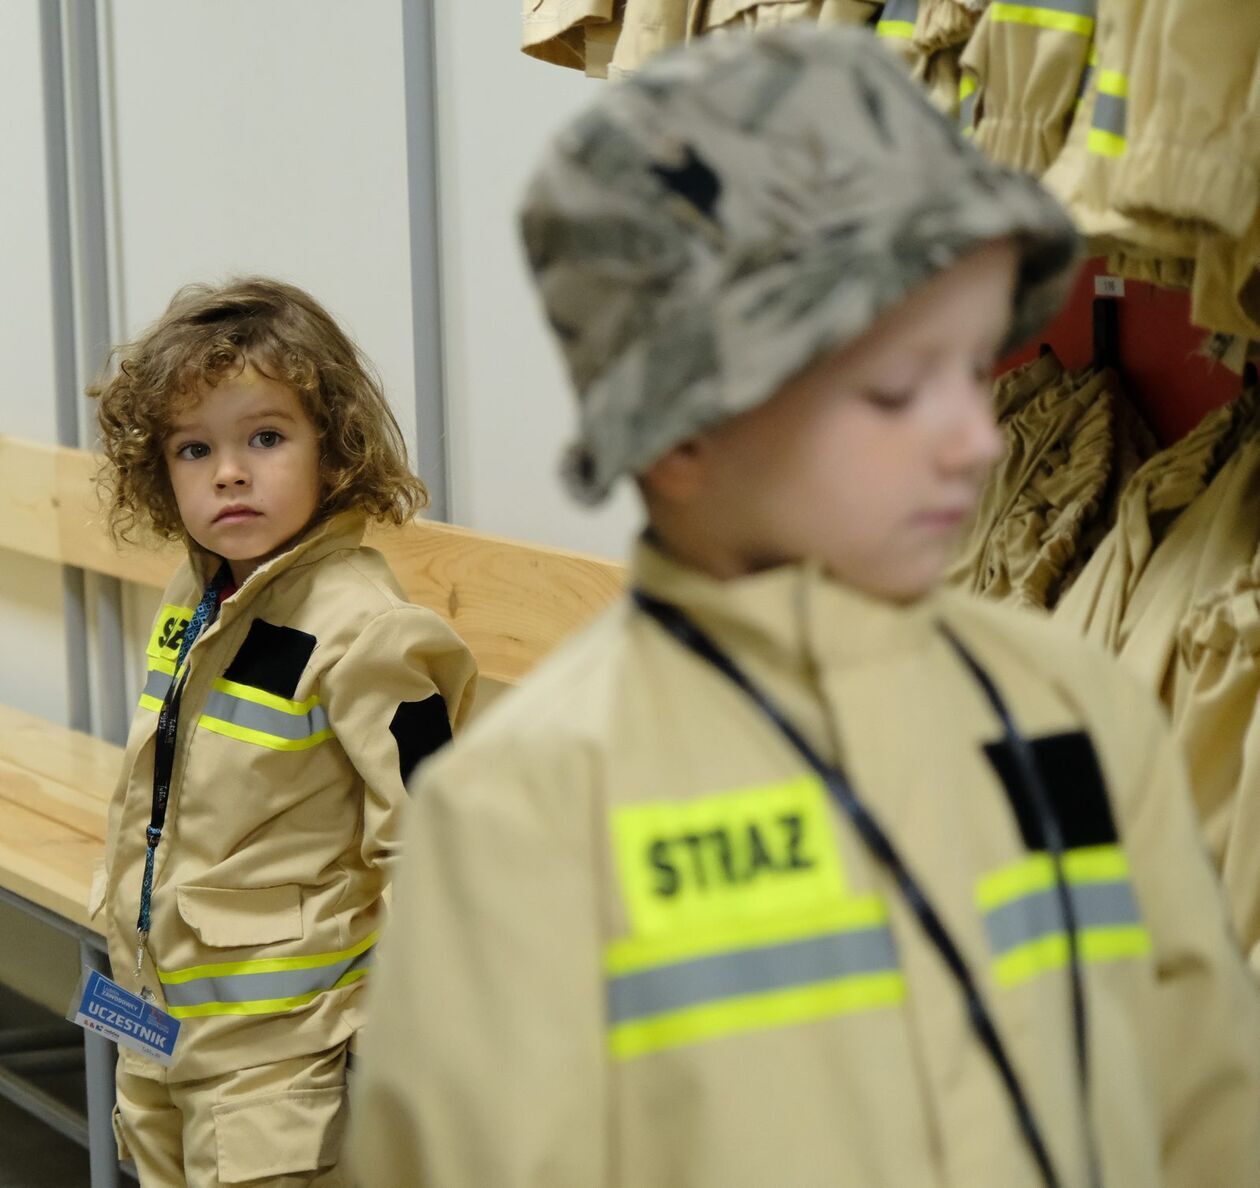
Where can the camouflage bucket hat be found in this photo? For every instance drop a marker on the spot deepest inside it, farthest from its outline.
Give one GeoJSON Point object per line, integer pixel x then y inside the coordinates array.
{"type": "Point", "coordinates": [712, 225]}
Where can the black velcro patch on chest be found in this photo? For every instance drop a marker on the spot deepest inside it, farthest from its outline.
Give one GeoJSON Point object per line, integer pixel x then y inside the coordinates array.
{"type": "Point", "coordinates": [419, 728]}
{"type": "Point", "coordinates": [271, 658]}
{"type": "Point", "coordinates": [1074, 783]}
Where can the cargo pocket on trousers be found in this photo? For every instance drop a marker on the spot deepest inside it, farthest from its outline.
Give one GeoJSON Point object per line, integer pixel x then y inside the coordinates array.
{"type": "Point", "coordinates": [279, 1134]}
{"type": "Point", "coordinates": [124, 1151]}
{"type": "Point", "coordinates": [237, 917]}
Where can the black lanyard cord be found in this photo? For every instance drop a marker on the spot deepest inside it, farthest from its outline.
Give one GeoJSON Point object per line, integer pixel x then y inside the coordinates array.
{"type": "Point", "coordinates": [677, 624]}
{"type": "Point", "coordinates": [1034, 788]}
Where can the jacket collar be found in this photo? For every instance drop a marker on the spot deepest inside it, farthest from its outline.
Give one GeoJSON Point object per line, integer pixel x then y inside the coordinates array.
{"type": "Point", "coordinates": [793, 616]}
{"type": "Point", "coordinates": [342, 531]}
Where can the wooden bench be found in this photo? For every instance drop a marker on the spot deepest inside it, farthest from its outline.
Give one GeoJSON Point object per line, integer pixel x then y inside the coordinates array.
{"type": "Point", "coordinates": [511, 602]}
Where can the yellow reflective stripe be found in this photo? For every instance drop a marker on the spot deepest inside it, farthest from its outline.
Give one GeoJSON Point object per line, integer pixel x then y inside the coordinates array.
{"type": "Point", "coordinates": [1112, 82]}
{"type": "Point", "coordinates": [966, 86]}
{"type": "Point", "coordinates": [1091, 864]}
{"type": "Point", "coordinates": [1051, 952]}
{"type": "Point", "coordinates": [157, 664]}
{"type": "Point", "coordinates": [903, 30]}
{"type": "Point", "coordinates": [1105, 144]}
{"type": "Point", "coordinates": [268, 1006]}
{"type": "Point", "coordinates": [260, 738]}
{"type": "Point", "coordinates": [755, 1012]}
{"type": "Point", "coordinates": [221, 969]}
{"type": "Point", "coordinates": [1042, 18]}
{"type": "Point", "coordinates": [150, 703]}
{"type": "Point", "coordinates": [636, 952]}
{"type": "Point", "coordinates": [262, 697]}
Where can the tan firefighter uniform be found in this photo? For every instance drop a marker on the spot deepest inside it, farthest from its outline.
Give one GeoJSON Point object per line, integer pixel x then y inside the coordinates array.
{"type": "Point", "coordinates": [633, 942]}
{"type": "Point", "coordinates": [608, 40]}
{"type": "Point", "coordinates": [1172, 593]}
{"type": "Point", "coordinates": [1217, 721]}
{"type": "Point", "coordinates": [1069, 449]}
{"type": "Point", "coordinates": [1026, 63]}
{"type": "Point", "coordinates": [307, 703]}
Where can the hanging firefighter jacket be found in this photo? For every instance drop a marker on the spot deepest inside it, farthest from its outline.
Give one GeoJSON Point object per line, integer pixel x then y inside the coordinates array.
{"type": "Point", "coordinates": [1072, 443]}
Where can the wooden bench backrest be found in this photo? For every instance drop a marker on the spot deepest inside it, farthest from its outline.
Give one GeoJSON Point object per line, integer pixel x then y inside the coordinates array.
{"type": "Point", "coordinates": [512, 603]}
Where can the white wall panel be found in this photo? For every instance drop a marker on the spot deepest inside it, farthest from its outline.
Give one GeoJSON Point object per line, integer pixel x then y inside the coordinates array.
{"type": "Point", "coordinates": [509, 407]}
{"type": "Point", "coordinates": [33, 672]}
{"type": "Point", "coordinates": [266, 138]}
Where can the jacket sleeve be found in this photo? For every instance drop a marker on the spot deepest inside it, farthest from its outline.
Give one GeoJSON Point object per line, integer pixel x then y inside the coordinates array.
{"type": "Point", "coordinates": [1207, 1058]}
{"type": "Point", "coordinates": [1194, 114]}
{"type": "Point", "coordinates": [1028, 63]}
{"type": "Point", "coordinates": [393, 699]}
{"type": "Point", "coordinates": [482, 1060]}
{"type": "Point", "coordinates": [1216, 721]}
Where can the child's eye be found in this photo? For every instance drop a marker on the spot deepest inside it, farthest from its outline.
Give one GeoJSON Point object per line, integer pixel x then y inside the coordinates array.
{"type": "Point", "coordinates": [192, 451]}
{"type": "Point", "coordinates": [890, 401]}
{"type": "Point", "coordinates": [266, 438]}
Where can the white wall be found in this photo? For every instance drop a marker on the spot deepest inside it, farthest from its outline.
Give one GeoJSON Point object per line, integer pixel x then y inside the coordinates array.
{"type": "Point", "coordinates": [33, 670]}
{"type": "Point", "coordinates": [509, 403]}
{"type": "Point", "coordinates": [266, 138]}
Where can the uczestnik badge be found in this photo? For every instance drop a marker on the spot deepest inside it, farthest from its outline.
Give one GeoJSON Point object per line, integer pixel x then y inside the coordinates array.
{"type": "Point", "coordinates": [105, 1008]}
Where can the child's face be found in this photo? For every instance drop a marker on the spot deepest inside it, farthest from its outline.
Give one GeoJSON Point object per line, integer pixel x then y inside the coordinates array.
{"type": "Point", "coordinates": [244, 466]}
{"type": "Point", "coordinates": [872, 460]}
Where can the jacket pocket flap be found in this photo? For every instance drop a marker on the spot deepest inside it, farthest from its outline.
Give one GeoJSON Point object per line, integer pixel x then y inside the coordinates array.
{"type": "Point", "coordinates": [279, 1134]}
{"type": "Point", "coordinates": [237, 918]}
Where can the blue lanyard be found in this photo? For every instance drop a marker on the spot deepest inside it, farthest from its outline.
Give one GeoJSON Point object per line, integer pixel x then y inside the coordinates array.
{"type": "Point", "coordinates": [677, 623]}
{"type": "Point", "coordinates": [164, 750]}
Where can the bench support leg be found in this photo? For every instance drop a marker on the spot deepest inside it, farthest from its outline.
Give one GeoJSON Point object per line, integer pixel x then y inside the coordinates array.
{"type": "Point", "coordinates": [99, 1060]}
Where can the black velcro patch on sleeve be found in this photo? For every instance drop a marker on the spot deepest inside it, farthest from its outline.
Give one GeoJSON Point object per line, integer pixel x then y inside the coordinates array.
{"type": "Point", "coordinates": [271, 658]}
{"type": "Point", "coordinates": [1074, 783]}
{"type": "Point", "coordinates": [419, 728]}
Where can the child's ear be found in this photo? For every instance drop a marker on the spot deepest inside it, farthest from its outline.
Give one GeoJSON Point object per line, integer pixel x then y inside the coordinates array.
{"type": "Point", "coordinates": [676, 477]}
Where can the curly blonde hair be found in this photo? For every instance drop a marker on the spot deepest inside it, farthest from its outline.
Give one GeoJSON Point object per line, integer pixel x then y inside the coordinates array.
{"type": "Point", "coordinates": [209, 333]}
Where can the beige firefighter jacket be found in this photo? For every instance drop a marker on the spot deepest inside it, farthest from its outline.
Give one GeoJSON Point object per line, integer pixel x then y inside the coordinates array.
{"type": "Point", "coordinates": [1172, 592]}
{"type": "Point", "coordinates": [634, 943]}
{"type": "Point", "coordinates": [1050, 501]}
{"type": "Point", "coordinates": [306, 705]}
{"type": "Point", "coordinates": [610, 40]}
{"type": "Point", "coordinates": [1026, 64]}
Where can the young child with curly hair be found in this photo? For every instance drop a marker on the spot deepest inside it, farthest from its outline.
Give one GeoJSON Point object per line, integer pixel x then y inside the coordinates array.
{"type": "Point", "coordinates": [291, 689]}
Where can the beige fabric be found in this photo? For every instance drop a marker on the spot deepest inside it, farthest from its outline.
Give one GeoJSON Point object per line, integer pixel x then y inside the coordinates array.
{"type": "Point", "coordinates": [274, 850]}
{"type": "Point", "coordinates": [610, 40]}
{"type": "Point", "coordinates": [1049, 502]}
{"type": "Point", "coordinates": [1194, 114]}
{"type": "Point", "coordinates": [1216, 719]}
{"type": "Point", "coordinates": [1104, 603]}
{"type": "Point", "coordinates": [279, 1125]}
{"type": "Point", "coordinates": [1226, 289]}
{"type": "Point", "coordinates": [524, 890]}
{"type": "Point", "coordinates": [946, 24]}
{"type": "Point", "coordinates": [1083, 175]}
{"type": "Point", "coordinates": [1166, 271]}
{"type": "Point", "coordinates": [1028, 79]}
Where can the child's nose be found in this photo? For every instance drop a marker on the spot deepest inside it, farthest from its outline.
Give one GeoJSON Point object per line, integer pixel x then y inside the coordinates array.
{"type": "Point", "coordinates": [230, 472]}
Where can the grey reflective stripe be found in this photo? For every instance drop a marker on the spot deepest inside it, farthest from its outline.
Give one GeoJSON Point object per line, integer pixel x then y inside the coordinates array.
{"type": "Point", "coordinates": [967, 110]}
{"type": "Point", "coordinates": [1038, 915]}
{"type": "Point", "coordinates": [900, 10]}
{"type": "Point", "coordinates": [263, 987]}
{"type": "Point", "coordinates": [253, 716]}
{"type": "Point", "coordinates": [1087, 77]}
{"type": "Point", "coordinates": [1085, 8]}
{"type": "Point", "coordinates": [157, 684]}
{"type": "Point", "coordinates": [750, 971]}
{"type": "Point", "coordinates": [1110, 113]}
